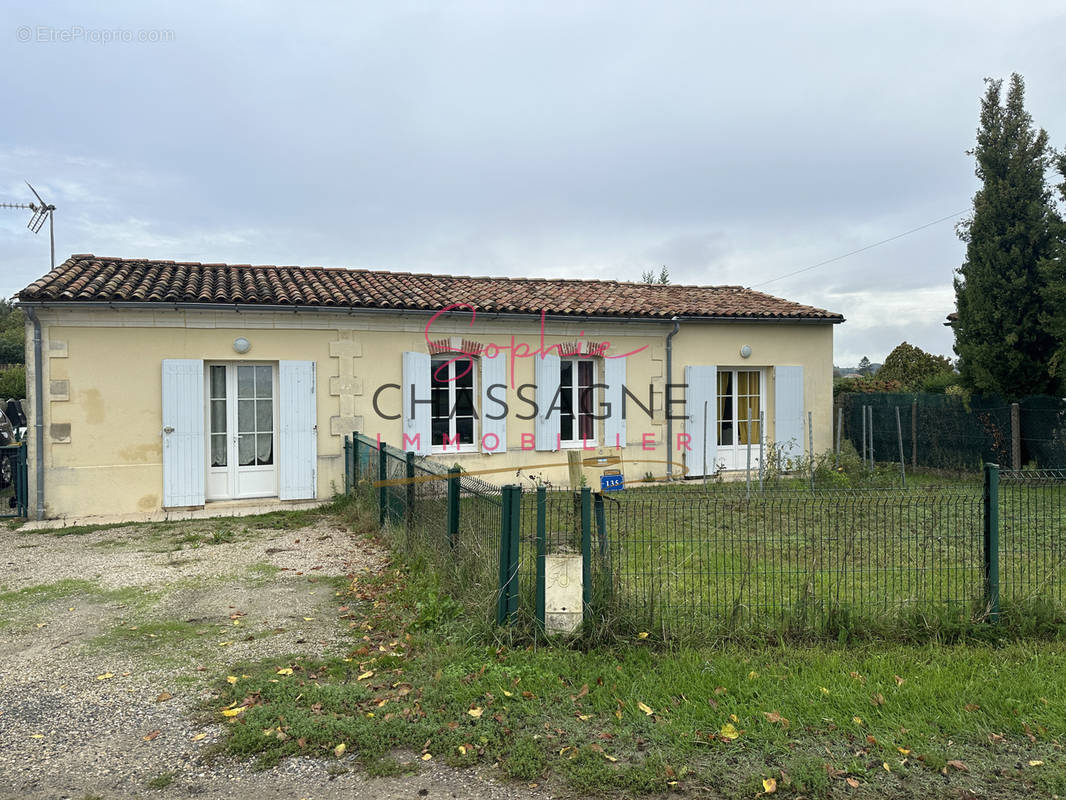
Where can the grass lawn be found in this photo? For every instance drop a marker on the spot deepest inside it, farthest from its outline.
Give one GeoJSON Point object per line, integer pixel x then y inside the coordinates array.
{"type": "Point", "coordinates": [426, 680]}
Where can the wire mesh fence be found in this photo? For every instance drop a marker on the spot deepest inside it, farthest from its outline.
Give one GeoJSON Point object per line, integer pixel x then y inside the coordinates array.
{"type": "Point", "coordinates": [1032, 535]}
{"type": "Point", "coordinates": [703, 561]}
{"type": "Point", "coordinates": [450, 518]}
{"type": "Point", "coordinates": [945, 431]}
{"type": "Point", "coordinates": [708, 564]}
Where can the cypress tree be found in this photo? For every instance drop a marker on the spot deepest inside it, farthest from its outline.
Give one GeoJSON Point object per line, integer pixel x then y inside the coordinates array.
{"type": "Point", "coordinates": [1001, 335]}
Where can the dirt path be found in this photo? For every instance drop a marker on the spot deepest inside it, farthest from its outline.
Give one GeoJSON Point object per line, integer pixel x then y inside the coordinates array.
{"type": "Point", "coordinates": [108, 639]}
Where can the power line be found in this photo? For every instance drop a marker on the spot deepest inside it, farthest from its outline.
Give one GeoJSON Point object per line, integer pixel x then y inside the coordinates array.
{"type": "Point", "coordinates": [862, 249]}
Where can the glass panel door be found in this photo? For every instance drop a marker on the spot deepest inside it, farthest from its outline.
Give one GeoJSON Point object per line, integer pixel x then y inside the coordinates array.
{"type": "Point", "coordinates": [242, 431]}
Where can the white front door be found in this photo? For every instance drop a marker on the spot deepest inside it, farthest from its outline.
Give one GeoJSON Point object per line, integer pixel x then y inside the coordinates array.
{"type": "Point", "coordinates": [741, 400]}
{"type": "Point", "coordinates": [242, 424]}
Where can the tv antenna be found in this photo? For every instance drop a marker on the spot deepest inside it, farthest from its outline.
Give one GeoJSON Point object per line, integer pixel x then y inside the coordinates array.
{"type": "Point", "coordinates": [41, 211]}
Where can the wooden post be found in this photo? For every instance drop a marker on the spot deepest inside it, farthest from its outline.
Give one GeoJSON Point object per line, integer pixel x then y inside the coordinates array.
{"type": "Point", "coordinates": [1015, 436]}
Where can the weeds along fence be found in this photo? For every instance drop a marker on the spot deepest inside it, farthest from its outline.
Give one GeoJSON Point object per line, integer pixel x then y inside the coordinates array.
{"type": "Point", "coordinates": [701, 562]}
{"type": "Point", "coordinates": [441, 514]}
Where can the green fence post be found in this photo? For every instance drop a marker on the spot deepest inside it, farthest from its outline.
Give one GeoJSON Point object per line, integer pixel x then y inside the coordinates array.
{"type": "Point", "coordinates": [586, 551]}
{"type": "Point", "coordinates": [505, 556]}
{"type": "Point", "coordinates": [453, 506]}
{"type": "Point", "coordinates": [409, 458]}
{"type": "Point", "coordinates": [355, 459]}
{"type": "Point", "coordinates": [991, 543]}
{"type": "Point", "coordinates": [601, 524]}
{"type": "Point", "coordinates": [542, 552]}
{"type": "Point", "coordinates": [515, 552]}
{"type": "Point", "coordinates": [383, 473]}
{"type": "Point", "coordinates": [347, 464]}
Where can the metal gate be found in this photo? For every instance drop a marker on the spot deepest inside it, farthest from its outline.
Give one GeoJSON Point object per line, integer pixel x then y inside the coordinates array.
{"type": "Point", "coordinates": [14, 481]}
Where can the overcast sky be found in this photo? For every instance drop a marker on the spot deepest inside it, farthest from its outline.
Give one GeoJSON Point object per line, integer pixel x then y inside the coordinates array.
{"type": "Point", "coordinates": [578, 139]}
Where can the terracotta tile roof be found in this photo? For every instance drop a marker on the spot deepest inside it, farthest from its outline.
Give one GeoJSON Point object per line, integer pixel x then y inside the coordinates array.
{"type": "Point", "coordinates": [89, 278]}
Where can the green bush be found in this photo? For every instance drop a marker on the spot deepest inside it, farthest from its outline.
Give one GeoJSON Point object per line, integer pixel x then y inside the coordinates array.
{"type": "Point", "coordinates": [939, 383]}
{"type": "Point", "coordinates": [12, 383]}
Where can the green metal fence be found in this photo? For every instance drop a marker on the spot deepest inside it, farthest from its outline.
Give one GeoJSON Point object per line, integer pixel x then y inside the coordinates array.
{"type": "Point", "coordinates": [443, 514]}
{"type": "Point", "coordinates": [716, 560]}
{"type": "Point", "coordinates": [14, 481]}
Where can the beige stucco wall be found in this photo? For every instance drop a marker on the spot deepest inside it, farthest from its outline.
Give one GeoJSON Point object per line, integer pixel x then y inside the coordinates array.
{"type": "Point", "coordinates": [102, 386]}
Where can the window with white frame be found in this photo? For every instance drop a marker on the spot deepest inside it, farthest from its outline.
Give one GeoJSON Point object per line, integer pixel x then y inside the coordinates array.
{"type": "Point", "coordinates": [577, 400]}
{"type": "Point", "coordinates": [452, 410]}
{"type": "Point", "coordinates": [739, 407]}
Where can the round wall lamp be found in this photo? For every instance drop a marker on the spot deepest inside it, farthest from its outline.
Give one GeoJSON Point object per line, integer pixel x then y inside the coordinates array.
{"type": "Point", "coordinates": [241, 345]}
{"type": "Point", "coordinates": [745, 351]}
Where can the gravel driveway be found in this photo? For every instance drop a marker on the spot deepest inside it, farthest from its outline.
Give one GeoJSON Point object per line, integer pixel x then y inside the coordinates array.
{"type": "Point", "coordinates": [108, 639]}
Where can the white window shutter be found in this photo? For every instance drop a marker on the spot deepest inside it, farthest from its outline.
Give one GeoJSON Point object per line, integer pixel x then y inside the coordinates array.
{"type": "Point", "coordinates": [298, 434]}
{"type": "Point", "coordinates": [789, 423]}
{"type": "Point", "coordinates": [184, 455]}
{"type": "Point", "coordinates": [614, 427]}
{"type": "Point", "coordinates": [418, 426]}
{"type": "Point", "coordinates": [493, 373]}
{"type": "Point", "coordinates": [701, 424]}
{"type": "Point", "coordinates": [547, 374]}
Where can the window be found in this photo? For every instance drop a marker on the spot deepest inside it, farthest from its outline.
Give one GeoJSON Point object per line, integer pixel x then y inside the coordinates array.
{"type": "Point", "coordinates": [255, 415]}
{"type": "Point", "coordinates": [739, 406]}
{"type": "Point", "coordinates": [577, 377]}
{"type": "Point", "coordinates": [452, 409]}
{"type": "Point", "coordinates": [217, 389]}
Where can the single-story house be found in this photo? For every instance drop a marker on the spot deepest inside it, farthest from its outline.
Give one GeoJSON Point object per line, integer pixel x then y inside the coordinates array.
{"type": "Point", "coordinates": [163, 385]}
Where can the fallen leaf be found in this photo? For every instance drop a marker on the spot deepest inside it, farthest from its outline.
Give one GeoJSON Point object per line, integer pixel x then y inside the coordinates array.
{"type": "Point", "coordinates": [729, 731]}
{"type": "Point", "coordinates": [1031, 763]}
{"type": "Point", "coordinates": [971, 707]}
{"type": "Point", "coordinates": [645, 708]}
{"type": "Point", "coordinates": [877, 699]}
{"type": "Point", "coordinates": [857, 720]}
{"type": "Point", "coordinates": [584, 717]}
{"type": "Point", "coordinates": [338, 751]}
{"type": "Point", "coordinates": [857, 677]}
{"type": "Point", "coordinates": [162, 697]}
{"type": "Point", "coordinates": [852, 782]}
{"type": "Point", "coordinates": [309, 619]}
{"type": "Point", "coordinates": [824, 690]}
{"type": "Point", "coordinates": [899, 681]}
{"type": "Point", "coordinates": [231, 679]}
{"type": "Point", "coordinates": [609, 757]}
{"type": "Point", "coordinates": [753, 675]}
{"type": "Point", "coordinates": [232, 712]}
{"type": "Point", "coordinates": [151, 735]}
{"type": "Point", "coordinates": [36, 735]}
{"type": "Point", "coordinates": [105, 676]}
{"type": "Point", "coordinates": [199, 737]}
{"type": "Point", "coordinates": [476, 712]}
{"type": "Point", "coordinates": [776, 718]}
{"type": "Point", "coordinates": [642, 635]}
{"type": "Point", "coordinates": [885, 765]}
{"type": "Point", "coordinates": [904, 751]}
{"type": "Point", "coordinates": [721, 690]}
{"type": "Point", "coordinates": [769, 785]}
{"type": "Point", "coordinates": [958, 765]}
{"type": "Point", "coordinates": [427, 756]}
{"type": "Point", "coordinates": [283, 671]}
{"type": "Point", "coordinates": [368, 674]}
{"type": "Point", "coordinates": [582, 692]}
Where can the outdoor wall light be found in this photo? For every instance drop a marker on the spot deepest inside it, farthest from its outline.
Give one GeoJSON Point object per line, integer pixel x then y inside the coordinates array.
{"type": "Point", "coordinates": [241, 345]}
{"type": "Point", "coordinates": [745, 351]}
